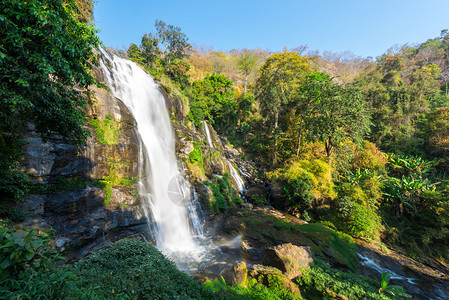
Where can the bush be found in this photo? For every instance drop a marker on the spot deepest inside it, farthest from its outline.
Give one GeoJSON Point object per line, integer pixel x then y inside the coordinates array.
{"type": "Point", "coordinates": [304, 182]}
{"type": "Point", "coordinates": [14, 214]}
{"type": "Point", "coordinates": [224, 195]}
{"type": "Point", "coordinates": [26, 265]}
{"type": "Point", "coordinates": [323, 282]}
{"type": "Point", "coordinates": [130, 269]}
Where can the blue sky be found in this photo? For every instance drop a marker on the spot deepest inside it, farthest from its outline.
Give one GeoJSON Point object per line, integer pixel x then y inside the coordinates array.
{"type": "Point", "coordinates": [367, 28]}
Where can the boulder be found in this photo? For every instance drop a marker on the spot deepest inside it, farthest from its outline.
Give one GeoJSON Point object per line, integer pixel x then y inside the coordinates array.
{"type": "Point", "coordinates": [216, 267]}
{"type": "Point", "coordinates": [269, 276]}
{"type": "Point", "coordinates": [288, 258]}
{"type": "Point", "coordinates": [235, 274]}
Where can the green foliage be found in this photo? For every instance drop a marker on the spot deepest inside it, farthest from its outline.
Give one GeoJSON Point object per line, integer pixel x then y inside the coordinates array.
{"type": "Point", "coordinates": [23, 249]}
{"type": "Point", "coordinates": [252, 289]}
{"type": "Point", "coordinates": [149, 50]}
{"type": "Point", "coordinates": [114, 179]}
{"type": "Point", "coordinates": [107, 130]}
{"type": "Point", "coordinates": [45, 53]}
{"type": "Point", "coordinates": [304, 182]}
{"type": "Point", "coordinates": [41, 41]}
{"type": "Point", "coordinates": [281, 76]}
{"type": "Point", "coordinates": [212, 100]}
{"type": "Point", "coordinates": [14, 214]}
{"type": "Point", "coordinates": [131, 269]}
{"type": "Point", "coordinates": [392, 290]}
{"type": "Point", "coordinates": [177, 70]}
{"type": "Point", "coordinates": [175, 42]}
{"type": "Point", "coordinates": [350, 117]}
{"type": "Point", "coordinates": [323, 282]}
{"type": "Point", "coordinates": [224, 195]}
{"type": "Point", "coordinates": [134, 54]}
{"type": "Point", "coordinates": [196, 157]}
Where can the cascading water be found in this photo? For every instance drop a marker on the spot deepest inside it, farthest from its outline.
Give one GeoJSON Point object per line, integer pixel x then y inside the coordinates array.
{"type": "Point", "coordinates": [172, 217]}
{"type": "Point", "coordinates": [237, 179]}
{"type": "Point", "coordinates": [209, 140]}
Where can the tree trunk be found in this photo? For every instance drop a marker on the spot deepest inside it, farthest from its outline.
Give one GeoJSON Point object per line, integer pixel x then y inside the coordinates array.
{"type": "Point", "coordinates": [299, 136]}
{"type": "Point", "coordinates": [276, 117]}
{"type": "Point", "coordinates": [329, 145]}
{"type": "Point", "coordinates": [246, 81]}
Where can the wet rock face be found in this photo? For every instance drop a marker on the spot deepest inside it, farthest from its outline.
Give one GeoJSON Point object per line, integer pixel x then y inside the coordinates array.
{"type": "Point", "coordinates": [288, 258]}
{"type": "Point", "coordinates": [83, 211]}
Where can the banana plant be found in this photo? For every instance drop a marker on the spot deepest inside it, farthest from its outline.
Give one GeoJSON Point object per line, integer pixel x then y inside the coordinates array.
{"type": "Point", "coordinates": [392, 290]}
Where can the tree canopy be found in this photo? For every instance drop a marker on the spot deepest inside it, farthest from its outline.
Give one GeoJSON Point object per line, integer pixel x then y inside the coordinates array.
{"type": "Point", "coordinates": [46, 55]}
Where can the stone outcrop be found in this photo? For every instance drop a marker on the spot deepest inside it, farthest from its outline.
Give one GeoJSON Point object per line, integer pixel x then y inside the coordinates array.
{"type": "Point", "coordinates": [288, 258]}
{"type": "Point", "coordinates": [86, 192]}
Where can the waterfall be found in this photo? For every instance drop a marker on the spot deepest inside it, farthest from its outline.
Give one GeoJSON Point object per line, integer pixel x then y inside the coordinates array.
{"type": "Point", "coordinates": [167, 199]}
{"type": "Point", "coordinates": [237, 179]}
{"type": "Point", "coordinates": [209, 140]}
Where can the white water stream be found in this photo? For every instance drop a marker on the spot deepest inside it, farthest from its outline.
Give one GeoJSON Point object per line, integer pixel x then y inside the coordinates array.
{"type": "Point", "coordinates": [168, 202]}
{"type": "Point", "coordinates": [237, 179]}
{"type": "Point", "coordinates": [209, 140]}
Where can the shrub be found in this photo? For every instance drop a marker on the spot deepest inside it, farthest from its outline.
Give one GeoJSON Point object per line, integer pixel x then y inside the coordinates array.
{"type": "Point", "coordinates": [224, 195]}
{"type": "Point", "coordinates": [130, 269]}
{"type": "Point", "coordinates": [370, 158]}
{"type": "Point", "coordinates": [14, 214]}
{"type": "Point", "coordinates": [323, 282]}
{"type": "Point", "coordinates": [26, 265]}
{"type": "Point", "coordinates": [304, 182]}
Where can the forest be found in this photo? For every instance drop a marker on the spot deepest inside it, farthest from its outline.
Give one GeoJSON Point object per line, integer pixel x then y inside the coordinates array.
{"type": "Point", "coordinates": [358, 145]}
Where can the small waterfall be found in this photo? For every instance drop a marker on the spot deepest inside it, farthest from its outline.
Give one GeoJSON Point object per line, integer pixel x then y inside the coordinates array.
{"type": "Point", "coordinates": [171, 213]}
{"type": "Point", "coordinates": [237, 179]}
{"type": "Point", "coordinates": [209, 140]}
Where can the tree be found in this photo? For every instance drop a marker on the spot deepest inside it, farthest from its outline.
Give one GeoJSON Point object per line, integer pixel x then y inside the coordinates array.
{"type": "Point", "coordinates": [45, 60]}
{"type": "Point", "coordinates": [281, 76]}
{"type": "Point", "coordinates": [134, 53]}
{"type": "Point", "coordinates": [175, 42]}
{"type": "Point", "coordinates": [337, 113]}
{"type": "Point", "coordinates": [178, 70]}
{"type": "Point", "coordinates": [212, 99]}
{"type": "Point", "coordinates": [246, 63]}
{"type": "Point", "coordinates": [150, 49]}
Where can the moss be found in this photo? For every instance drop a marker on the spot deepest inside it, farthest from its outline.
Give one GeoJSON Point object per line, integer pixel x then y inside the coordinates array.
{"type": "Point", "coordinates": [342, 246]}
{"type": "Point", "coordinates": [107, 130]}
{"type": "Point", "coordinates": [252, 289]}
{"type": "Point", "coordinates": [323, 241]}
{"type": "Point", "coordinates": [324, 282]}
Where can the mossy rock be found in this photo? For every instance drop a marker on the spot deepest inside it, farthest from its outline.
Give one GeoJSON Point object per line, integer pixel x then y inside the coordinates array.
{"type": "Point", "coordinates": [272, 278]}
{"type": "Point", "coordinates": [265, 231]}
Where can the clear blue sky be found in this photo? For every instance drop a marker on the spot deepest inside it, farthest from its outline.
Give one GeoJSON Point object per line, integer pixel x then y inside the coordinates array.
{"type": "Point", "coordinates": [365, 27]}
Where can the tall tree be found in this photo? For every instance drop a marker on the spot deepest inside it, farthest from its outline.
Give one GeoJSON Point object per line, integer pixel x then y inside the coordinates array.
{"type": "Point", "coordinates": [246, 63]}
{"type": "Point", "coordinates": [134, 53]}
{"type": "Point", "coordinates": [281, 76]}
{"type": "Point", "coordinates": [175, 42]}
{"type": "Point", "coordinates": [337, 113]}
{"type": "Point", "coordinates": [150, 49]}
